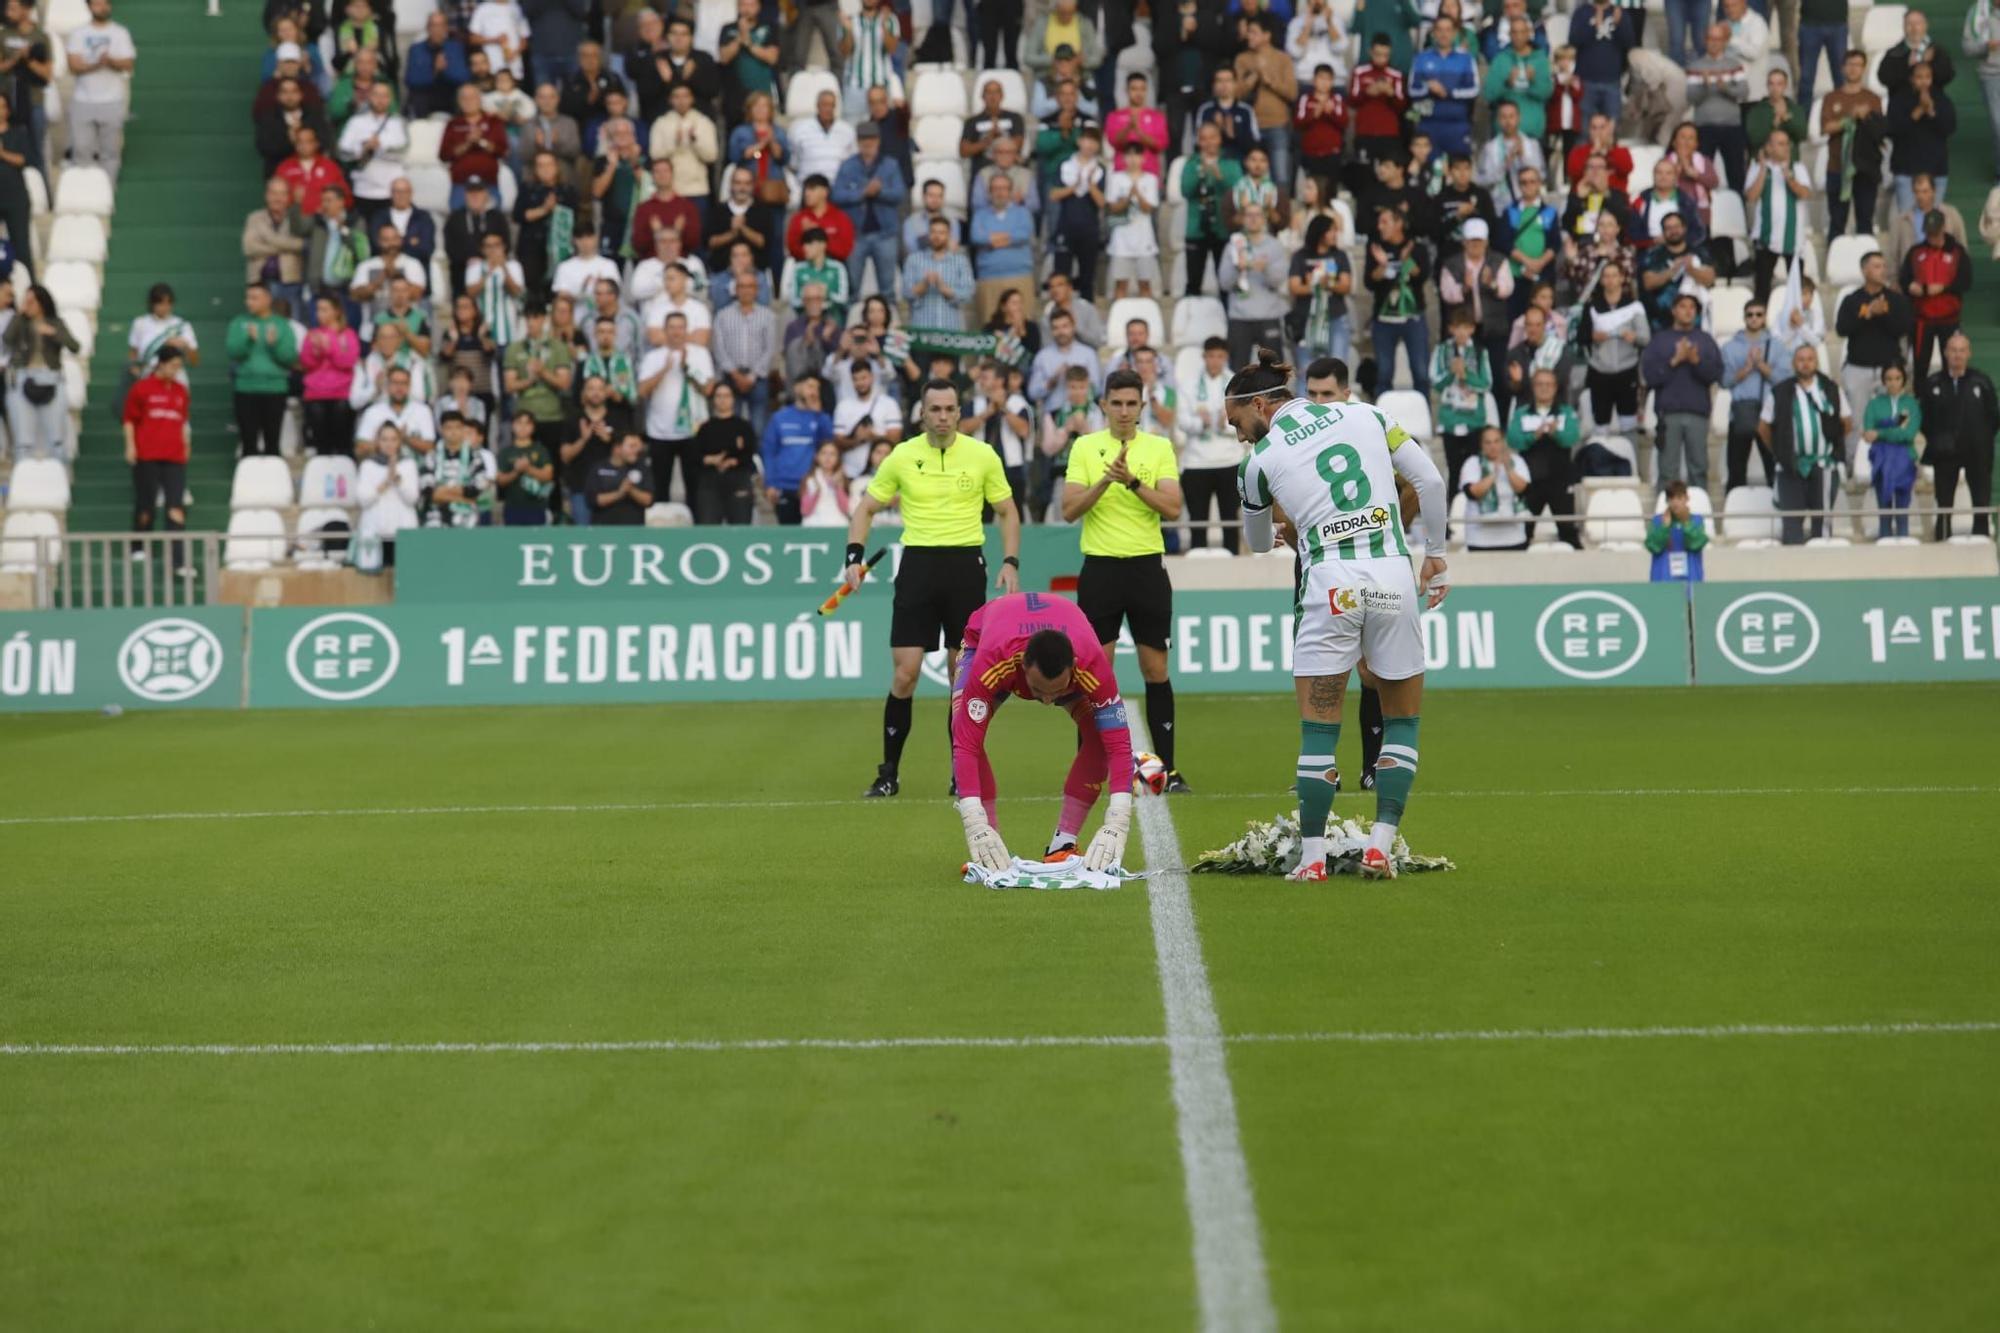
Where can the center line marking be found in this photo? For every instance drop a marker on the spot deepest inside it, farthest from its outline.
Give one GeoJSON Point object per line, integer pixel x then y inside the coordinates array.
{"type": "Point", "coordinates": [1229, 1273]}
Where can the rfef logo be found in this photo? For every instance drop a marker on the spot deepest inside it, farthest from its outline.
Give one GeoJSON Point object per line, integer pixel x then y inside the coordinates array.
{"type": "Point", "coordinates": [343, 656]}
{"type": "Point", "coordinates": [168, 661]}
{"type": "Point", "coordinates": [1591, 635]}
{"type": "Point", "coordinates": [1767, 633]}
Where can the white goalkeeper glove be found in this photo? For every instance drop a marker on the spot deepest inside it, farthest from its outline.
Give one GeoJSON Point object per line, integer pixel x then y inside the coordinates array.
{"type": "Point", "coordinates": [982, 843]}
{"type": "Point", "coordinates": [1107, 849]}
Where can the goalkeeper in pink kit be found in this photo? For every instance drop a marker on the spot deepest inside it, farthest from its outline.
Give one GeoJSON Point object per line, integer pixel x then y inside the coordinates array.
{"type": "Point", "coordinates": [1040, 646]}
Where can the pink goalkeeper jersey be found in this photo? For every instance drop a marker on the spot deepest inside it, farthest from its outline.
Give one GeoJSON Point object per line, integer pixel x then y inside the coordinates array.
{"type": "Point", "coordinates": [995, 640]}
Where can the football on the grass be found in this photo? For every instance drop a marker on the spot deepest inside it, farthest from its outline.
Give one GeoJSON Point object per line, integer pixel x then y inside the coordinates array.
{"type": "Point", "coordinates": [1149, 774]}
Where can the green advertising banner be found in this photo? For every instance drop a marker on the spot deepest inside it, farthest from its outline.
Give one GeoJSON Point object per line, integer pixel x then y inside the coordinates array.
{"type": "Point", "coordinates": [1871, 630]}
{"type": "Point", "coordinates": [561, 566]}
{"type": "Point", "coordinates": [166, 657]}
{"type": "Point", "coordinates": [762, 647]}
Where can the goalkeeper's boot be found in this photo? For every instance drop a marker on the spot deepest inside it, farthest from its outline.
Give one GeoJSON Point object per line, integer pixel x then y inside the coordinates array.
{"type": "Point", "coordinates": [1061, 848]}
{"type": "Point", "coordinates": [1177, 785]}
{"type": "Point", "coordinates": [1376, 864]}
{"type": "Point", "coordinates": [885, 784]}
{"type": "Point", "coordinates": [1309, 872]}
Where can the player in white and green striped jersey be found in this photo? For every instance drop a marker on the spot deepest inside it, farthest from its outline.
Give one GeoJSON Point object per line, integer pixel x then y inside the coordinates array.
{"type": "Point", "coordinates": [1333, 469]}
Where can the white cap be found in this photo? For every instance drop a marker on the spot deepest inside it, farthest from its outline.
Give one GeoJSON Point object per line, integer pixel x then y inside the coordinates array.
{"type": "Point", "coordinates": [290, 51]}
{"type": "Point", "coordinates": [1475, 229]}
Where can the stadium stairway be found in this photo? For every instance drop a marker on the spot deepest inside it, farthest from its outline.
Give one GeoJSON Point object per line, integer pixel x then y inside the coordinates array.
{"type": "Point", "coordinates": [190, 176]}
{"type": "Point", "coordinates": [1971, 180]}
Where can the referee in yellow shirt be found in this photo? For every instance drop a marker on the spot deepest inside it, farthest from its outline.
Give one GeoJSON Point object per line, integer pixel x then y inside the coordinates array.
{"type": "Point", "coordinates": [946, 480]}
{"type": "Point", "coordinates": [1122, 483]}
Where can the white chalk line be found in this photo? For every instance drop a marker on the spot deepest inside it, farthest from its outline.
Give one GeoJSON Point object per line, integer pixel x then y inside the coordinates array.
{"type": "Point", "coordinates": [1053, 1041]}
{"type": "Point", "coordinates": [1230, 1278]}
{"type": "Point", "coordinates": [630, 807]}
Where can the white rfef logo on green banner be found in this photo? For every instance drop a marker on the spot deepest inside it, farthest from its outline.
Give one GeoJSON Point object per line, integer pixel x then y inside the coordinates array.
{"type": "Point", "coordinates": [1767, 633]}
{"type": "Point", "coordinates": [167, 661]}
{"type": "Point", "coordinates": [1591, 635]}
{"type": "Point", "coordinates": [343, 657]}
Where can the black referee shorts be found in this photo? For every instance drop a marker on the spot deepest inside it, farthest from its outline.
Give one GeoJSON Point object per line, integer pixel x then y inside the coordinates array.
{"type": "Point", "coordinates": [937, 590]}
{"type": "Point", "coordinates": [1134, 589]}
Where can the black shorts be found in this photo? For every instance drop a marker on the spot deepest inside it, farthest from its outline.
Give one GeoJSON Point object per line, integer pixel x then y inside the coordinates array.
{"type": "Point", "coordinates": [937, 590]}
{"type": "Point", "coordinates": [1134, 589]}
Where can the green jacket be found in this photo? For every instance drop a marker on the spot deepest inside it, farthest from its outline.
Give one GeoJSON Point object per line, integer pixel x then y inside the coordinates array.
{"type": "Point", "coordinates": [1209, 209]}
{"type": "Point", "coordinates": [1532, 98]}
{"type": "Point", "coordinates": [1757, 125]}
{"type": "Point", "coordinates": [1520, 438]}
{"type": "Point", "coordinates": [262, 364]}
{"type": "Point", "coordinates": [341, 103]}
{"type": "Point", "coordinates": [1881, 418]}
{"type": "Point", "coordinates": [1660, 533]}
{"type": "Point", "coordinates": [1394, 19]}
{"type": "Point", "coordinates": [1461, 405]}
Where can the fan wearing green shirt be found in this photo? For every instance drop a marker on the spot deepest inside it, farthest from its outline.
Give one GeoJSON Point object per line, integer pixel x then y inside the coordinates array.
{"type": "Point", "coordinates": [1122, 484]}
{"type": "Point", "coordinates": [945, 480]}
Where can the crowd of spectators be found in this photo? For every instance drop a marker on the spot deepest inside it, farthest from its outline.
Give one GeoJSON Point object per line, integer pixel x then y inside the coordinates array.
{"type": "Point", "coordinates": [546, 229]}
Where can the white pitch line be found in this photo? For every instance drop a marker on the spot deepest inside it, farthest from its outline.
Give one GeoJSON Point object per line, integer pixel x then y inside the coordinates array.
{"type": "Point", "coordinates": [628, 807]}
{"type": "Point", "coordinates": [697, 1046]}
{"type": "Point", "coordinates": [1230, 1279]}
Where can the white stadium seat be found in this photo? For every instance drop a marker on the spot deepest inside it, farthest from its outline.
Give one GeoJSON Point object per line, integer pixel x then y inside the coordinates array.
{"type": "Point", "coordinates": [1130, 308]}
{"type": "Point", "coordinates": [1615, 518]}
{"type": "Point", "coordinates": [411, 15]}
{"type": "Point", "coordinates": [1187, 369]}
{"type": "Point", "coordinates": [1844, 256]}
{"type": "Point", "coordinates": [936, 137]}
{"type": "Point", "coordinates": [1197, 318]}
{"type": "Point", "coordinates": [1411, 411]}
{"type": "Point", "coordinates": [337, 524]}
{"type": "Point", "coordinates": [1698, 502]}
{"type": "Point", "coordinates": [74, 286]}
{"type": "Point", "coordinates": [328, 479]}
{"type": "Point", "coordinates": [1725, 311]}
{"type": "Point", "coordinates": [669, 514]}
{"type": "Point", "coordinates": [938, 92]}
{"type": "Point", "coordinates": [76, 383]}
{"type": "Point", "coordinates": [425, 137]}
{"type": "Point", "coordinates": [21, 534]}
{"type": "Point", "coordinates": [256, 539]}
{"type": "Point", "coordinates": [1644, 156]}
{"type": "Point", "coordinates": [38, 194]}
{"type": "Point", "coordinates": [1882, 29]}
{"type": "Point", "coordinates": [261, 482]}
{"type": "Point", "coordinates": [430, 188]}
{"type": "Point", "coordinates": [1749, 513]}
{"type": "Point", "coordinates": [78, 236]}
{"type": "Point", "coordinates": [65, 17]}
{"type": "Point", "coordinates": [1013, 89]}
{"type": "Point", "coordinates": [802, 93]}
{"type": "Point", "coordinates": [1174, 194]}
{"type": "Point", "coordinates": [1726, 215]}
{"type": "Point", "coordinates": [39, 484]}
{"type": "Point", "coordinates": [84, 190]}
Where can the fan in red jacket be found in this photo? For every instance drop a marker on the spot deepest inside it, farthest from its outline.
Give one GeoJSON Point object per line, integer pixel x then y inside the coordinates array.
{"type": "Point", "coordinates": [1378, 98]}
{"type": "Point", "coordinates": [156, 445]}
{"type": "Point", "coordinates": [1321, 121]}
{"type": "Point", "coordinates": [1936, 273]}
{"type": "Point", "coordinates": [818, 212]}
{"type": "Point", "coordinates": [309, 172]}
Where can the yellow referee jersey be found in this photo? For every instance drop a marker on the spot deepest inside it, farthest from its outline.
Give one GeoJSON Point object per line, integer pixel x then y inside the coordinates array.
{"type": "Point", "coordinates": [944, 490]}
{"type": "Point", "coordinates": [1120, 523]}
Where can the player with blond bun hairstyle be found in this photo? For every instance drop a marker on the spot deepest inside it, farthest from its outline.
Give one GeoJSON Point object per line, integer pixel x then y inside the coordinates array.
{"type": "Point", "coordinates": [1333, 468]}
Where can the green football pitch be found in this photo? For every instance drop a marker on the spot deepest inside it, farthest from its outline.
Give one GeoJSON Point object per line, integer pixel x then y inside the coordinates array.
{"type": "Point", "coordinates": [636, 1018]}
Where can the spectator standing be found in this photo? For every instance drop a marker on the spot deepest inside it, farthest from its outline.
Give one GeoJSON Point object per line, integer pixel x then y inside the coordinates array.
{"type": "Point", "coordinates": [276, 127]}
{"type": "Point", "coordinates": [28, 66]}
{"type": "Point", "coordinates": [524, 475]}
{"type": "Point", "coordinates": [870, 188]}
{"type": "Point", "coordinates": [790, 442]}
{"type": "Point", "coordinates": [558, 27]}
{"type": "Point", "coordinates": [726, 490]}
{"type": "Point", "coordinates": [1875, 321]}
{"type": "Point", "coordinates": [1444, 80]}
{"type": "Point", "coordinates": [388, 489]}
{"type": "Point", "coordinates": [1851, 117]}
{"type": "Point", "coordinates": [1682, 366]}
{"type": "Point", "coordinates": [1718, 84]}
{"type": "Point", "coordinates": [1980, 40]}
{"type": "Point", "coordinates": [1397, 272]}
{"type": "Point", "coordinates": [864, 418]}
{"type": "Point", "coordinates": [1822, 26]}
{"type": "Point", "coordinates": [274, 238]}
{"type": "Point", "coordinates": [1906, 228]}
{"type": "Point", "coordinates": [1749, 38]}
{"type": "Point", "coordinates": [621, 488]}
{"type": "Point", "coordinates": [497, 285]}
{"type": "Point", "coordinates": [1936, 273]}
{"type": "Point", "coordinates": [1320, 281]}
{"type": "Point", "coordinates": [327, 360]}
{"type": "Point", "coordinates": [1234, 121]}
{"type": "Point", "coordinates": [1494, 479]}
{"type": "Point", "coordinates": [1132, 197]}
{"type": "Point", "coordinates": [262, 353]}
{"type": "Point", "coordinates": [1602, 141]}
{"type": "Point", "coordinates": [373, 144]}
{"type": "Point", "coordinates": [473, 145]}
{"type": "Point", "coordinates": [1776, 194]}
{"type": "Point", "coordinates": [1961, 416]}
{"type": "Point", "coordinates": [821, 145]}
{"type": "Point", "coordinates": [1138, 125]}
{"type": "Point", "coordinates": [1078, 197]}
{"type": "Point", "coordinates": [1778, 111]}
{"type": "Point", "coordinates": [1675, 537]}
{"type": "Point", "coordinates": [1616, 332]}
{"type": "Point", "coordinates": [1266, 75]}
{"type": "Point", "coordinates": [1889, 426]}
{"type": "Point", "coordinates": [1805, 421]}
{"type": "Point", "coordinates": [1062, 353]}
{"type": "Point", "coordinates": [1519, 76]}
{"type": "Point", "coordinates": [1005, 421]}
{"type": "Point", "coordinates": [1208, 179]}
{"type": "Point", "coordinates": [1921, 122]}
{"type": "Point", "coordinates": [1603, 36]}
{"type": "Point", "coordinates": [1673, 269]}
{"type": "Point", "coordinates": [1210, 452]}
{"type": "Point", "coordinates": [1255, 270]}
{"type": "Point", "coordinates": [1796, 324]}
{"type": "Point", "coordinates": [157, 446]}
{"type": "Point", "coordinates": [101, 57]}
{"type": "Point", "coordinates": [988, 125]}
{"type": "Point", "coordinates": [938, 281]}
{"type": "Point", "coordinates": [545, 210]}
{"type": "Point", "coordinates": [674, 381]}
{"type": "Point", "coordinates": [539, 370]}
{"type": "Point", "coordinates": [1379, 98]}
{"type": "Point", "coordinates": [1002, 245]}
{"type": "Point", "coordinates": [1483, 283]}
{"type": "Point", "coordinates": [747, 54]}
{"type": "Point", "coordinates": [1462, 375]}
{"type": "Point", "coordinates": [1543, 430]}
{"type": "Point", "coordinates": [869, 42]}
{"type": "Point", "coordinates": [1504, 156]}
{"type": "Point", "coordinates": [1899, 63]}
{"type": "Point", "coordinates": [468, 226]}
{"type": "Point", "coordinates": [310, 173]}
{"type": "Point", "coordinates": [1531, 232]}
{"type": "Point", "coordinates": [745, 349]}
{"type": "Point", "coordinates": [434, 69]}
{"type": "Point", "coordinates": [1319, 123]}
{"type": "Point", "coordinates": [685, 138]}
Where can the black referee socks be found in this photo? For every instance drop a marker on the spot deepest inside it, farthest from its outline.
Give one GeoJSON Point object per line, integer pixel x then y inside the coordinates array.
{"type": "Point", "coordinates": [895, 731]}
{"type": "Point", "coordinates": [1371, 729]}
{"type": "Point", "coordinates": [1160, 719]}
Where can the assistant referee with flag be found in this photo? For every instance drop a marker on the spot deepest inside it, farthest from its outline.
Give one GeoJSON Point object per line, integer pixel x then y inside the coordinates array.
{"type": "Point", "coordinates": [946, 480]}
{"type": "Point", "coordinates": [1122, 483]}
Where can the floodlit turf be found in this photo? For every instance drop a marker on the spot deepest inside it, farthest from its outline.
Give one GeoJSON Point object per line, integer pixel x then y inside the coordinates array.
{"type": "Point", "coordinates": [1690, 1182]}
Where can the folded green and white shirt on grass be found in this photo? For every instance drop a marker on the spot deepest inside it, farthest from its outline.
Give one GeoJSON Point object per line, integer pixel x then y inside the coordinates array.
{"type": "Point", "coordinates": [1065, 874]}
